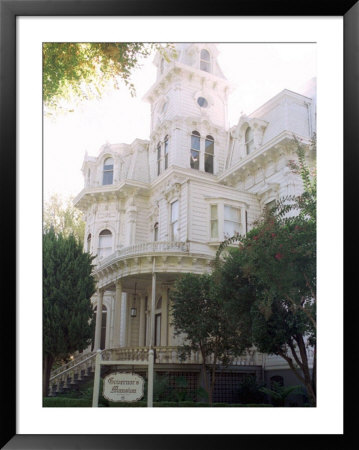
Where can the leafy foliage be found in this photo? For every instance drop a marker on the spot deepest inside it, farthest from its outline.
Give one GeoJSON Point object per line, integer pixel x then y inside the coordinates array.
{"type": "Point", "coordinates": [279, 394]}
{"type": "Point", "coordinates": [60, 215]}
{"type": "Point", "coordinates": [269, 280]}
{"type": "Point", "coordinates": [74, 71]}
{"type": "Point", "coordinates": [68, 285]}
{"type": "Point", "coordinates": [249, 391]}
{"type": "Point", "coordinates": [198, 314]}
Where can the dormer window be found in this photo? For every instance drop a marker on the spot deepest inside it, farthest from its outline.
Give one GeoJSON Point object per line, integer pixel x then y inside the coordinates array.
{"type": "Point", "coordinates": [249, 141]}
{"type": "Point", "coordinates": [107, 171]}
{"type": "Point", "coordinates": [195, 149]}
{"type": "Point", "coordinates": [205, 62]}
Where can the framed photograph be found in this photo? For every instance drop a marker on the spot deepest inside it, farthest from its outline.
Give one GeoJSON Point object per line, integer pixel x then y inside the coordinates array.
{"type": "Point", "coordinates": [256, 63]}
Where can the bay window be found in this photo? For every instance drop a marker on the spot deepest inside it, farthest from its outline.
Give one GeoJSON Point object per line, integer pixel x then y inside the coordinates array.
{"type": "Point", "coordinates": [232, 221]}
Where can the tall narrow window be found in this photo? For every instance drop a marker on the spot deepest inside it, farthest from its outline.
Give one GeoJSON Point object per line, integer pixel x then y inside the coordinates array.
{"type": "Point", "coordinates": [103, 326]}
{"type": "Point", "coordinates": [157, 330]}
{"type": "Point", "coordinates": [249, 140]}
{"type": "Point", "coordinates": [209, 154]}
{"type": "Point", "coordinates": [88, 248]}
{"type": "Point", "coordinates": [205, 63]}
{"type": "Point", "coordinates": [174, 221]}
{"type": "Point", "coordinates": [232, 220]}
{"type": "Point", "coordinates": [195, 148]}
{"type": "Point", "coordinates": [214, 221]}
{"type": "Point", "coordinates": [158, 159]}
{"type": "Point", "coordinates": [155, 232]}
{"type": "Point", "coordinates": [108, 171]}
{"type": "Point", "coordinates": [166, 152]}
{"type": "Point", "coordinates": [104, 244]}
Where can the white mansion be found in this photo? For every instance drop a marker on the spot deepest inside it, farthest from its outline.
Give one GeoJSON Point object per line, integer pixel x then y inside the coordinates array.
{"type": "Point", "coordinates": [158, 208]}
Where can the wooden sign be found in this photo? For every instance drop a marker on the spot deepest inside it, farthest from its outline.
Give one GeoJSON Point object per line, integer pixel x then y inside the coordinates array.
{"type": "Point", "coordinates": [123, 387]}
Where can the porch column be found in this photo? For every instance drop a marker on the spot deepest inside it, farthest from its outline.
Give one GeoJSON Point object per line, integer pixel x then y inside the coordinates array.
{"type": "Point", "coordinates": [128, 321]}
{"type": "Point", "coordinates": [98, 320]}
{"type": "Point", "coordinates": [164, 316]}
{"type": "Point", "coordinates": [117, 318]}
{"type": "Point", "coordinates": [153, 308]}
{"type": "Point", "coordinates": [141, 335]}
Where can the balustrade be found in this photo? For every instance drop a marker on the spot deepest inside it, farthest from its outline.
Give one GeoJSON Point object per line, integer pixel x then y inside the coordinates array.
{"type": "Point", "coordinates": [83, 365]}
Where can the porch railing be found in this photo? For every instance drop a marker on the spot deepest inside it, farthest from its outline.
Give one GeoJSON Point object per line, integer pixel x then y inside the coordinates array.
{"type": "Point", "coordinates": [84, 365]}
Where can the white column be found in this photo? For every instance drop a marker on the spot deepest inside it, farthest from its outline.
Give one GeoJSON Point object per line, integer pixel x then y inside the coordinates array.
{"type": "Point", "coordinates": [164, 316]}
{"type": "Point", "coordinates": [117, 318]}
{"type": "Point", "coordinates": [128, 321]}
{"type": "Point", "coordinates": [153, 307]}
{"type": "Point", "coordinates": [141, 336]}
{"type": "Point", "coordinates": [98, 319]}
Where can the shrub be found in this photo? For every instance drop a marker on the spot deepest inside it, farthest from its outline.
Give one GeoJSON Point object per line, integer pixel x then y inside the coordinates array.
{"type": "Point", "coordinates": [249, 391]}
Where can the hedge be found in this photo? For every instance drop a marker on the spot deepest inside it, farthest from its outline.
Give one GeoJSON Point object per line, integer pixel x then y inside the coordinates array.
{"type": "Point", "coordinates": [65, 402]}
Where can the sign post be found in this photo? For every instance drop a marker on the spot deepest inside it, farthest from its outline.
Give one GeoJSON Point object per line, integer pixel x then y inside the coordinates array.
{"type": "Point", "coordinates": [151, 358]}
{"type": "Point", "coordinates": [120, 386]}
{"type": "Point", "coordinates": [96, 383]}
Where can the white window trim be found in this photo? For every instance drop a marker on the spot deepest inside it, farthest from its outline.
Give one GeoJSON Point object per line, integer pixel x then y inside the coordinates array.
{"type": "Point", "coordinates": [202, 152]}
{"type": "Point", "coordinates": [220, 203]}
{"type": "Point", "coordinates": [170, 233]}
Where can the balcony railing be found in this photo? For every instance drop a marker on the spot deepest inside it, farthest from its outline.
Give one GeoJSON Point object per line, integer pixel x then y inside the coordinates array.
{"type": "Point", "coordinates": [143, 249]}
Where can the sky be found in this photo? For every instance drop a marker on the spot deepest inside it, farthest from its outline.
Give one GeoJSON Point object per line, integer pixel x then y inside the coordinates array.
{"type": "Point", "coordinates": [257, 72]}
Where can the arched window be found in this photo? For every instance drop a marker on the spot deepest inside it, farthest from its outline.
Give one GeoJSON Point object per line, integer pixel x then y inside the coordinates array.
{"type": "Point", "coordinates": [155, 232]}
{"type": "Point", "coordinates": [108, 171]}
{"type": "Point", "coordinates": [205, 63]}
{"type": "Point", "coordinates": [158, 158]}
{"type": "Point", "coordinates": [249, 140]}
{"type": "Point", "coordinates": [104, 244]}
{"type": "Point", "coordinates": [166, 152]}
{"type": "Point", "coordinates": [88, 249]}
{"type": "Point", "coordinates": [209, 154]}
{"type": "Point", "coordinates": [195, 148]}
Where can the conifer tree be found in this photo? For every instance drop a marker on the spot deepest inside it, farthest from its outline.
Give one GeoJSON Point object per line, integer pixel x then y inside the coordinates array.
{"type": "Point", "coordinates": [68, 317]}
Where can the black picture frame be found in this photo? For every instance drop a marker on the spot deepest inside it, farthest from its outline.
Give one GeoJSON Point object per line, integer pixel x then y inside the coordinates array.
{"type": "Point", "coordinates": [9, 10]}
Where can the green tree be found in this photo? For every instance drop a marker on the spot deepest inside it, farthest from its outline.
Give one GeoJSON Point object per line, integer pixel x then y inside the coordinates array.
{"type": "Point", "coordinates": [68, 317]}
{"type": "Point", "coordinates": [63, 217]}
{"type": "Point", "coordinates": [199, 316]}
{"type": "Point", "coordinates": [74, 71]}
{"type": "Point", "coordinates": [276, 263]}
{"type": "Point", "coordinates": [279, 394]}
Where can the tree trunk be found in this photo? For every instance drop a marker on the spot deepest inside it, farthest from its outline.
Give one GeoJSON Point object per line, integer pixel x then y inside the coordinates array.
{"type": "Point", "coordinates": [46, 370]}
